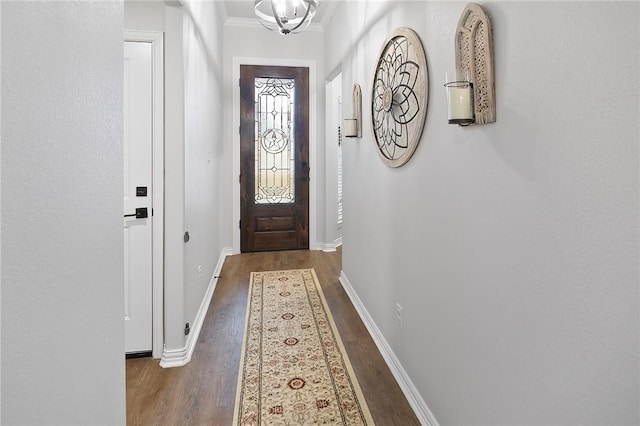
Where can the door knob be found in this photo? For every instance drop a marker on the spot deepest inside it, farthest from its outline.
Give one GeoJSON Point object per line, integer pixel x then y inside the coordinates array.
{"type": "Point", "coordinates": [141, 213]}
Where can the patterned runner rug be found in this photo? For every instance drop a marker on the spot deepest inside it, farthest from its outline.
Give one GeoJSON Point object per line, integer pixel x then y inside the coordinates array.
{"type": "Point", "coordinates": [293, 368]}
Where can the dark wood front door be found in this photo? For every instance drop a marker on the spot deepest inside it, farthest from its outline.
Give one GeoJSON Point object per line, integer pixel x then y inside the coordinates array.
{"type": "Point", "coordinates": [274, 158]}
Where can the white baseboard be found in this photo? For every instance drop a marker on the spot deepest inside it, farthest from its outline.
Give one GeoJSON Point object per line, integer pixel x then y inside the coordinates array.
{"type": "Point", "coordinates": [408, 388]}
{"type": "Point", "coordinates": [175, 357]}
{"type": "Point", "coordinates": [327, 248]}
{"type": "Point", "coordinates": [180, 357]}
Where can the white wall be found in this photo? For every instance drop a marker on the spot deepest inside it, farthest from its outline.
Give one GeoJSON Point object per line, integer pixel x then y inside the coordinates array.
{"type": "Point", "coordinates": [157, 16]}
{"type": "Point", "coordinates": [243, 42]}
{"type": "Point", "coordinates": [62, 235]}
{"type": "Point", "coordinates": [513, 247]}
{"type": "Point", "coordinates": [333, 119]}
{"type": "Point", "coordinates": [148, 15]}
{"type": "Point", "coordinates": [196, 159]}
{"type": "Point", "coordinates": [174, 175]}
{"type": "Point", "coordinates": [206, 154]}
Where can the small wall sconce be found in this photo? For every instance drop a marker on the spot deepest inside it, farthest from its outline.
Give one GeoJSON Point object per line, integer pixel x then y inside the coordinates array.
{"type": "Point", "coordinates": [460, 102]}
{"type": "Point", "coordinates": [353, 126]}
{"type": "Point", "coordinates": [475, 86]}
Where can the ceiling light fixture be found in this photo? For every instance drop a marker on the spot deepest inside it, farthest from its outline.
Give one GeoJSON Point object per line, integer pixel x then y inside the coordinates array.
{"type": "Point", "coordinates": [286, 16]}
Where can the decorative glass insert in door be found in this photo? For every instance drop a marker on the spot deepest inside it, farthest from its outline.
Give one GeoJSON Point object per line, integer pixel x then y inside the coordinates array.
{"type": "Point", "coordinates": [274, 144]}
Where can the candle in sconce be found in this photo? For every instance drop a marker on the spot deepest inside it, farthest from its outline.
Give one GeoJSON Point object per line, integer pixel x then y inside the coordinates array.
{"type": "Point", "coordinates": [350, 127]}
{"type": "Point", "coordinates": [460, 100]}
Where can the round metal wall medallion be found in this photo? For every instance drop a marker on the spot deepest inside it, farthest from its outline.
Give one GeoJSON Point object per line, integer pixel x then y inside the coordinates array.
{"type": "Point", "coordinates": [399, 96]}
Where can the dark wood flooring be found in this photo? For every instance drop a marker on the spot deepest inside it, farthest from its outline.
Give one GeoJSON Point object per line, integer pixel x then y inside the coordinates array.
{"type": "Point", "coordinates": [203, 391]}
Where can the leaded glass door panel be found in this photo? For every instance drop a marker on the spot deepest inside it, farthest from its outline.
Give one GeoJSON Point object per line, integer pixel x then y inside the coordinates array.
{"type": "Point", "coordinates": [274, 152]}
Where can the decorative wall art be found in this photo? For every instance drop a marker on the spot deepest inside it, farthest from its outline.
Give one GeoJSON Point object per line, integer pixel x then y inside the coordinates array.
{"type": "Point", "coordinates": [474, 60]}
{"type": "Point", "coordinates": [353, 125]}
{"type": "Point", "coordinates": [399, 96]}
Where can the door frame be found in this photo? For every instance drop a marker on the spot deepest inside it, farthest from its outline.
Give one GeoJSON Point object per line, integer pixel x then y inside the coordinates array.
{"type": "Point", "coordinates": [313, 193]}
{"type": "Point", "coordinates": [156, 38]}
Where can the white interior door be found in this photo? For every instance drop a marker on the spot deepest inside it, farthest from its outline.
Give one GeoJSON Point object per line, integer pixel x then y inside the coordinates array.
{"type": "Point", "coordinates": [138, 195]}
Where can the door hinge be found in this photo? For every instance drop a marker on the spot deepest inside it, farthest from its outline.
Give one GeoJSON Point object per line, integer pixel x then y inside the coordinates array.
{"type": "Point", "coordinates": [239, 130]}
{"type": "Point", "coordinates": [240, 224]}
{"type": "Point", "coordinates": [239, 178]}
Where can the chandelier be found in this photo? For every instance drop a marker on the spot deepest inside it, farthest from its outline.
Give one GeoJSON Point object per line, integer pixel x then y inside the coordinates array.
{"type": "Point", "coordinates": [286, 16]}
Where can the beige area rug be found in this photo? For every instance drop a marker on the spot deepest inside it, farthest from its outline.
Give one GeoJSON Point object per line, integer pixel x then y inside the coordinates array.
{"type": "Point", "coordinates": [293, 368]}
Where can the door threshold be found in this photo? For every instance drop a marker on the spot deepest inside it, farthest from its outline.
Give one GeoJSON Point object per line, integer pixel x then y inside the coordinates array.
{"type": "Point", "coordinates": [142, 354]}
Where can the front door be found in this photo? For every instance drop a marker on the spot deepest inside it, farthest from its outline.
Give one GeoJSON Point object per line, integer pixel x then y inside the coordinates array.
{"type": "Point", "coordinates": [138, 195]}
{"type": "Point", "coordinates": [274, 158]}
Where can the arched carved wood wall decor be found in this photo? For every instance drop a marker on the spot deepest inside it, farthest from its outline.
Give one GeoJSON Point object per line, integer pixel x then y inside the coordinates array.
{"type": "Point", "coordinates": [353, 125]}
{"type": "Point", "coordinates": [356, 105]}
{"type": "Point", "coordinates": [474, 57]}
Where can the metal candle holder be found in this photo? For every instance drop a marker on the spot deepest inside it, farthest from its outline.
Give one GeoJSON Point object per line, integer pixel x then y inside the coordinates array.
{"type": "Point", "coordinates": [460, 102]}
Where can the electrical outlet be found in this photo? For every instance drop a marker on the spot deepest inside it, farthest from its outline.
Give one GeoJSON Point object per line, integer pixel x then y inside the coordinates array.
{"type": "Point", "coordinates": [399, 314]}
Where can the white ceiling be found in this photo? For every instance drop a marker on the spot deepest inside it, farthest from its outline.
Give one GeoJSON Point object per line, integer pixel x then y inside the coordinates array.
{"type": "Point", "coordinates": [243, 9]}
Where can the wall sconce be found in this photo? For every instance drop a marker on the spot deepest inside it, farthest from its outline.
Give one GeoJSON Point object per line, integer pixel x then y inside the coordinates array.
{"type": "Point", "coordinates": [353, 126]}
{"type": "Point", "coordinates": [474, 59]}
{"type": "Point", "coordinates": [460, 102]}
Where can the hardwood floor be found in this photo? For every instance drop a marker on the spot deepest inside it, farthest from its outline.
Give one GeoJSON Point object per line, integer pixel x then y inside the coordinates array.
{"type": "Point", "coordinates": [203, 391]}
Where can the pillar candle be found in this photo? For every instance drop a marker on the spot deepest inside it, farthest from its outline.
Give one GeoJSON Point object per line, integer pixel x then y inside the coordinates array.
{"type": "Point", "coordinates": [350, 127]}
{"type": "Point", "coordinates": [460, 103]}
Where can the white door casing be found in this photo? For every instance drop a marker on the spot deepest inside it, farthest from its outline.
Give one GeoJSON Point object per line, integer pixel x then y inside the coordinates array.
{"type": "Point", "coordinates": [144, 167]}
